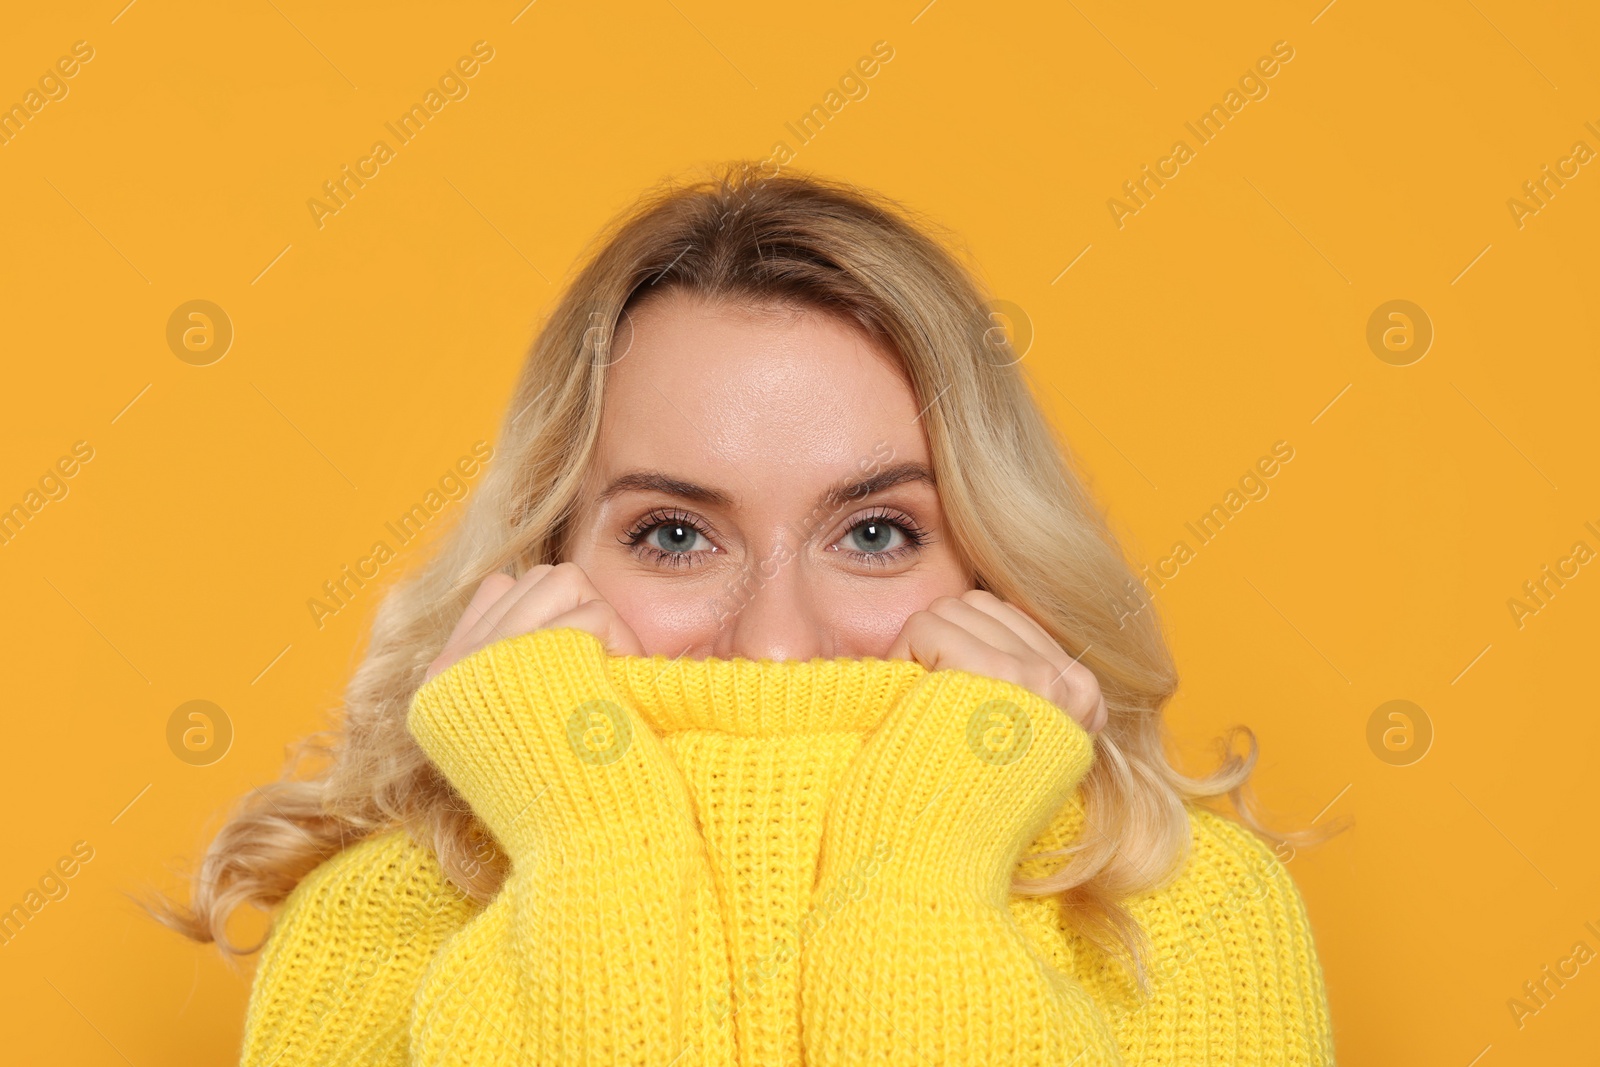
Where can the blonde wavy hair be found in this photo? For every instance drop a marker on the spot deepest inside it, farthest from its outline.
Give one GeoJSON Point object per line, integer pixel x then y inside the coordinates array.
{"type": "Point", "coordinates": [1017, 513]}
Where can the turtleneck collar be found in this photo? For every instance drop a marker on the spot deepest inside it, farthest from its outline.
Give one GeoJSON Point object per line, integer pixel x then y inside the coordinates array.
{"type": "Point", "coordinates": [764, 697]}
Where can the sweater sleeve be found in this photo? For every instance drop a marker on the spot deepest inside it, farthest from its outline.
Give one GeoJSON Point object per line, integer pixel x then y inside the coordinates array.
{"type": "Point", "coordinates": [344, 954]}
{"type": "Point", "coordinates": [910, 951]}
{"type": "Point", "coordinates": [1233, 966]}
{"type": "Point", "coordinates": [605, 945]}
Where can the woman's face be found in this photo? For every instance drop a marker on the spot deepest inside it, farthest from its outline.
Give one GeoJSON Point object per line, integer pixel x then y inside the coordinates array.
{"type": "Point", "coordinates": [706, 520]}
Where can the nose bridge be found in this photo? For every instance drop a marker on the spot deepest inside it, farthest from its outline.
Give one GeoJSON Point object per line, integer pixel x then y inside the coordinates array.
{"type": "Point", "coordinates": [771, 612]}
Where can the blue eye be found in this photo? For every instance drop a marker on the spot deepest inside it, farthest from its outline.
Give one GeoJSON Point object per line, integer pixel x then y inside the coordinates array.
{"type": "Point", "coordinates": [876, 531]}
{"type": "Point", "coordinates": [875, 536]}
{"type": "Point", "coordinates": [675, 537]}
{"type": "Point", "coordinates": [672, 534]}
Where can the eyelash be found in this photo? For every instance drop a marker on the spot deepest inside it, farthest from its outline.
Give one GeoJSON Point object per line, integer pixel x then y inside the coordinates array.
{"type": "Point", "coordinates": [915, 536]}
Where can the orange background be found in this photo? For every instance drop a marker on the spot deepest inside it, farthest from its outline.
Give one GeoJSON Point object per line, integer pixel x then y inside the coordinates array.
{"type": "Point", "coordinates": [1230, 312]}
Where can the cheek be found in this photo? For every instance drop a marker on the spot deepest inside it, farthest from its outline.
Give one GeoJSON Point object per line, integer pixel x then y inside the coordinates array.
{"type": "Point", "coordinates": [868, 625]}
{"type": "Point", "coordinates": [665, 613]}
{"type": "Point", "coordinates": [668, 616]}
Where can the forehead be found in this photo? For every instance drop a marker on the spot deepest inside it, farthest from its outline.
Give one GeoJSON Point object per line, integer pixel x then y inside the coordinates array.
{"type": "Point", "coordinates": [773, 398]}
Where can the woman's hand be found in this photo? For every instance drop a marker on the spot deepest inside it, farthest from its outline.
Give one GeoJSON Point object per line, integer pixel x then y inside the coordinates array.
{"type": "Point", "coordinates": [982, 634]}
{"type": "Point", "coordinates": [548, 596]}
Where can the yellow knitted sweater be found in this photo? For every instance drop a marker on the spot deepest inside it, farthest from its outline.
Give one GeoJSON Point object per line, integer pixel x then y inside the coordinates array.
{"type": "Point", "coordinates": [768, 863]}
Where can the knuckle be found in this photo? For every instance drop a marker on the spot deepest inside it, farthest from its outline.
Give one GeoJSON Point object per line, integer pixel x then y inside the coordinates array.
{"type": "Point", "coordinates": [572, 576]}
{"type": "Point", "coordinates": [531, 576]}
{"type": "Point", "coordinates": [499, 580]}
{"type": "Point", "coordinates": [1068, 676]}
{"type": "Point", "coordinates": [1080, 676]}
{"type": "Point", "coordinates": [999, 664]}
{"type": "Point", "coordinates": [1042, 679]}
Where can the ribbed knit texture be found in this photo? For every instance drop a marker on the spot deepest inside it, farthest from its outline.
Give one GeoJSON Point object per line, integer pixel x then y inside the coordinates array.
{"type": "Point", "coordinates": [727, 861]}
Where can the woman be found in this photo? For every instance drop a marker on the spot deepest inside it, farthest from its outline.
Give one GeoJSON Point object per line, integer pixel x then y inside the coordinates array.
{"type": "Point", "coordinates": [779, 700]}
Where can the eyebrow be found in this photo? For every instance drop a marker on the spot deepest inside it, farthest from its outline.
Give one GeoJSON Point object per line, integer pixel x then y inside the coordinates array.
{"type": "Point", "coordinates": [643, 481]}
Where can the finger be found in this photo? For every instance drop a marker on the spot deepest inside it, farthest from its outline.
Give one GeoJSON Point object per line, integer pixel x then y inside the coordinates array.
{"type": "Point", "coordinates": [490, 627]}
{"type": "Point", "coordinates": [1073, 668]}
{"type": "Point", "coordinates": [1020, 622]}
{"type": "Point", "coordinates": [914, 635]}
{"type": "Point", "coordinates": [528, 604]}
{"type": "Point", "coordinates": [1063, 664]}
{"type": "Point", "coordinates": [900, 647]}
{"type": "Point", "coordinates": [983, 625]}
{"type": "Point", "coordinates": [564, 587]}
{"type": "Point", "coordinates": [1074, 689]}
{"type": "Point", "coordinates": [935, 641]}
{"type": "Point", "coordinates": [490, 590]}
{"type": "Point", "coordinates": [601, 619]}
{"type": "Point", "coordinates": [1082, 696]}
